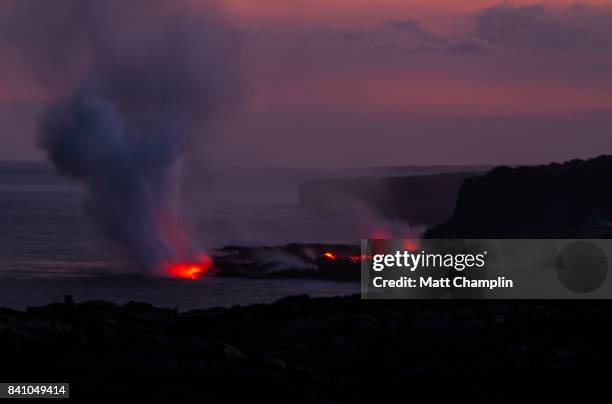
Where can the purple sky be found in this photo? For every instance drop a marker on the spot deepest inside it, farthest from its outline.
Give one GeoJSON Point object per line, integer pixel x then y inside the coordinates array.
{"type": "Point", "coordinates": [341, 83]}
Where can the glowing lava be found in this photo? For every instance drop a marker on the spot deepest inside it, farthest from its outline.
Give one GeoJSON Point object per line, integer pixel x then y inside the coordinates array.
{"type": "Point", "coordinates": [189, 270]}
{"type": "Point", "coordinates": [357, 258]}
{"type": "Point", "coordinates": [329, 255]}
{"type": "Point", "coordinates": [332, 256]}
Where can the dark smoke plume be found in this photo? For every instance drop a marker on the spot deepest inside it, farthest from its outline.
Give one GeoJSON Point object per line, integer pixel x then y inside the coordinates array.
{"type": "Point", "coordinates": [131, 84]}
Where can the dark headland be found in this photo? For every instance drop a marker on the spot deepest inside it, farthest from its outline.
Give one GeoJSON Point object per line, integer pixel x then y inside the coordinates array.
{"type": "Point", "coordinates": [568, 200]}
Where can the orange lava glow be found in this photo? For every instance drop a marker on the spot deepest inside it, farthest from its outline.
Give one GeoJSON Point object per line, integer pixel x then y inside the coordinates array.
{"type": "Point", "coordinates": [332, 256]}
{"type": "Point", "coordinates": [329, 255]}
{"type": "Point", "coordinates": [410, 245]}
{"type": "Point", "coordinates": [189, 270]}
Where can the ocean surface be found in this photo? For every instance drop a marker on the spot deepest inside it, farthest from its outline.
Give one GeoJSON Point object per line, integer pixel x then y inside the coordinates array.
{"type": "Point", "coordinates": [48, 247]}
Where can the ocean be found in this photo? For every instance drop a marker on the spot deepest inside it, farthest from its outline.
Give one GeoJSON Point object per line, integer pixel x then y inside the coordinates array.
{"type": "Point", "coordinates": [48, 247]}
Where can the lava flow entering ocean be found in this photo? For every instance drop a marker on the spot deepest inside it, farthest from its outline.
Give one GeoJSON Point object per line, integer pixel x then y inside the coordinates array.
{"type": "Point", "coordinates": [333, 256]}
{"type": "Point", "coordinates": [190, 269]}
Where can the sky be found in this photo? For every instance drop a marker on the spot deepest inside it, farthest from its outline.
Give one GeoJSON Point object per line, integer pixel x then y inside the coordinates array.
{"type": "Point", "coordinates": [334, 83]}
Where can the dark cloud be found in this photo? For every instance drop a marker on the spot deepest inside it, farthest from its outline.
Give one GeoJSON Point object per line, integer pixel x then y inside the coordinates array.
{"type": "Point", "coordinates": [409, 35]}
{"type": "Point", "coordinates": [505, 27]}
{"type": "Point", "coordinates": [412, 29]}
{"type": "Point", "coordinates": [470, 45]}
{"type": "Point", "coordinates": [541, 28]}
{"type": "Point", "coordinates": [395, 35]}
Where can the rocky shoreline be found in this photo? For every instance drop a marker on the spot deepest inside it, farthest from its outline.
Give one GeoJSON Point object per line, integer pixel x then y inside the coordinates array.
{"type": "Point", "coordinates": [338, 262]}
{"type": "Point", "coordinates": [313, 350]}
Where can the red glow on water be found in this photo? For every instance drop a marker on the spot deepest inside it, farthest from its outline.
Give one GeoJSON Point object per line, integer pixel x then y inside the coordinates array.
{"type": "Point", "coordinates": [410, 245]}
{"type": "Point", "coordinates": [380, 234]}
{"type": "Point", "coordinates": [190, 270]}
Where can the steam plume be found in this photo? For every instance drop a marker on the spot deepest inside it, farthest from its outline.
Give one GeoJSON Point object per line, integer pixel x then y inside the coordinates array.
{"type": "Point", "coordinates": [131, 84]}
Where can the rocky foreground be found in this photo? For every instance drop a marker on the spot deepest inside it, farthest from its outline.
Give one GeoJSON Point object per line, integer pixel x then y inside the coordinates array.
{"type": "Point", "coordinates": [326, 350]}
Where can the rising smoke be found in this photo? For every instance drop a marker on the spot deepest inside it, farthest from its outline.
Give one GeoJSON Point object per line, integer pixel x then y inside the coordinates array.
{"type": "Point", "coordinates": [131, 85]}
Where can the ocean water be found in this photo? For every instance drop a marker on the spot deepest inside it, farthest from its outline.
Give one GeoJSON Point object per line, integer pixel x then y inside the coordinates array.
{"type": "Point", "coordinates": [48, 248]}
